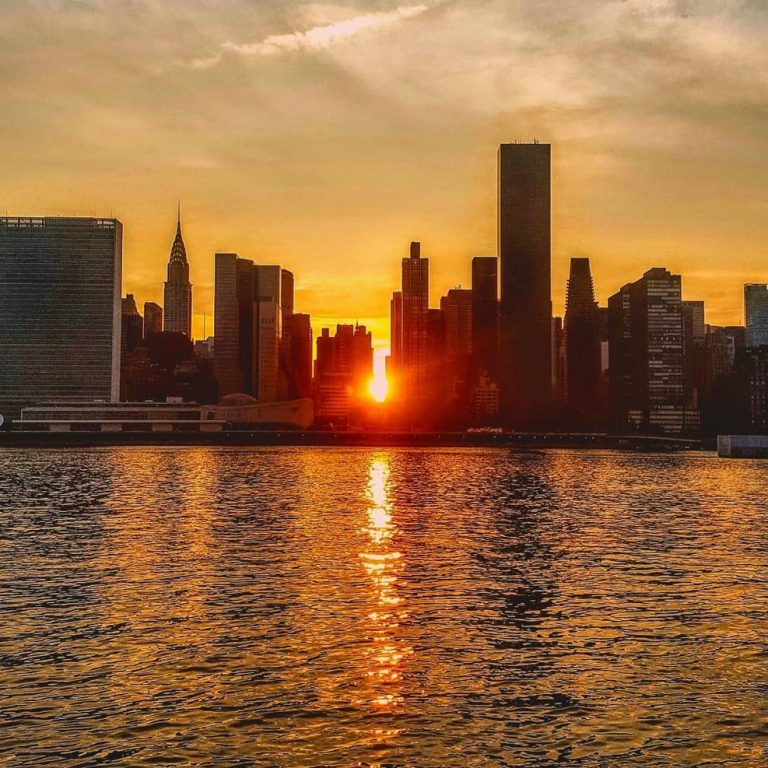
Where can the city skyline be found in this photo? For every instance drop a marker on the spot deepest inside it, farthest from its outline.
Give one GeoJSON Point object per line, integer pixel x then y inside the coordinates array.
{"type": "Point", "coordinates": [281, 131]}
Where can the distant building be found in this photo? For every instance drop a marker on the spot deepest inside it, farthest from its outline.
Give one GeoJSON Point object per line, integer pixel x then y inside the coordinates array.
{"type": "Point", "coordinates": [178, 289]}
{"type": "Point", "coordinates": [694, 337]}
{"type": "Point", "coordinates": [60, 308]}
{"type": "Point", "coordinates": [756, 314]}
{"type": "Point", "coordinates": [343, 371]}
{"type": "Point", "coordinates": [485, 317]}
{"type": "Point", "coordinates": [646, 355]}
{"type": "Point", "coordinates": [269, 282]}
{"type": "Point", "coordinates": [415, 307]}
{"type": "Point", "coordinates": [285, 387]}
{"type": "Point", "coordinates": [153, 318]}
{"type": "Point", "coordinates": [301, 355]}
{"type": "Point", "coordinates": [524, 211]}
{"type": "Point", "coordinates": [557, 351]}
{"type": "Point", "coordinates": [131, 326]}
{"type": "Point", "coordinates": [394, 360]}
{"type": "Point", "coordinates": [582, 339]}
{"type": "Point", "coordinates": [234, 321]}
{"type": "Point", "coordinates": [751, 376]}
{"type": "Point", "coordinates": [456, 308]}
{"type": "Point", "coordinates": [247, 317]}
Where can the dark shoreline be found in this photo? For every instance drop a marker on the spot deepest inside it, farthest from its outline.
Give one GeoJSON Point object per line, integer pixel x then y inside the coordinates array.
{"type": "Point", "coordinates": [346, 439]}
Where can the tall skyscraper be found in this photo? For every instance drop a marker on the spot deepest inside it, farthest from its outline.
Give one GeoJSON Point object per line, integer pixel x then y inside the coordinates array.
{"type": "Point", "coordinates": [269, 282]}
{"type": "Point", "coordinates": [234, 312]}
{"type": "Point", "coordinates": [247, 318]}
{"type": "Point", "coordinates": [526, 302]}
{"type": "Point", "coordinates": [582, 339]}
{"type": "Point", "coordinates": [694, 335]}
{"type": "Point", "coordinates": [646, 354]}
{"type": "Point", "coordinates": [485, 317]}
{"type": "Point", "coordinates": [756, 313]}
{"type": "Point", "coordinates": [395, 359]}
{"type": "Point", "coordinates": [178, 289]}
{"type": "Point", "coordinates": [153, 318]}
{"type": "Point", "coordinates": [60, 307]}
{"type": "Point", "coordinates": [286, 374]}
{"type": "Point", "coordinates": [415, 303]}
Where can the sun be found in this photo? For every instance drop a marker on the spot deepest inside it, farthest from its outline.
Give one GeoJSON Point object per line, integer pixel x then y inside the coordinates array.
{"type": "Point", "coordinates": [378, 388]}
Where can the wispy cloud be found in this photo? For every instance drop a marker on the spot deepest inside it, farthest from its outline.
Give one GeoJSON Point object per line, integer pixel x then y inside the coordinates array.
{"type": "Point", "coordinates": [315, 38]}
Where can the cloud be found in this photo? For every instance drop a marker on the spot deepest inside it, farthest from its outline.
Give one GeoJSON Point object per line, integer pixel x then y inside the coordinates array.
{"type": "Point", "coordinates": [316, 38]}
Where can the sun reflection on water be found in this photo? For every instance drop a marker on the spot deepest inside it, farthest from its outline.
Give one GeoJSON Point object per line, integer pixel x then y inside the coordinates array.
{"type": "Point", "coordinates": [383, 564]}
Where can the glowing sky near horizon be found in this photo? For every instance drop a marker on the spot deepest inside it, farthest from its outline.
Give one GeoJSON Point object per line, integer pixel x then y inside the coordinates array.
{"type": "Point", "coordinates": [326, 136]}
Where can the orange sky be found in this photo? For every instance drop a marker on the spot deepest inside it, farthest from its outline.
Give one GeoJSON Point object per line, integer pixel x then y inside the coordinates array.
{"type": "Point", "coordinates": [325, 136]}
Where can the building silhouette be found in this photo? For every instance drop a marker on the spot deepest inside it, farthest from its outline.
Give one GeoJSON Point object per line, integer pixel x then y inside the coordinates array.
{"type": "Point", "coordinates": [178, 290]}
{"type": "Point", "coordinates": [485, 317]}
{"type": "Point", "coordinates": [247, 317]}
{"type": "Point", "coordinates": [131, 326]}
{"type": "Point", "coordinates": [415, 308]}
{"type": "Point", "coordinates": [456, 309]}
{"type": "Point", "coordinates": [756, 313]}
{"type": "Point", "coordinates": [343, 371]}
{"type": "Point", "coordinates": [234, 321]}
{"type": "Point", "coordinates": [269, 314]}
{"type": "Point", "coordinates": [395, 357]}
{"type": "Point", "coordinates": [646, 355]}
{"type": "Point", "coordinates": [153, 318]}
{"type": "Point", "coordinates": [300, 355]}
{"type": "Point", "coordinates": [582, 340]}
{"type": "Point", "coordinates": [524, 213]}
{"type": "Point", "coordinates": [60, 306]}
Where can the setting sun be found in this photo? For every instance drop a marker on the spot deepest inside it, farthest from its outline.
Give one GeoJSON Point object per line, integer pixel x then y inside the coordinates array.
{"type": "Point", "coordinates": [379, 387]}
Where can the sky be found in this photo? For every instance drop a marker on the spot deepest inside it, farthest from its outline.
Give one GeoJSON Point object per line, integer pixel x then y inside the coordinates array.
{"type": "Point", "coordinates": [326, 136]}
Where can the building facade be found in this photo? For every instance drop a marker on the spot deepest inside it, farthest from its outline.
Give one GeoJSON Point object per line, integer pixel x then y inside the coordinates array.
{"type": "Point", "coordinates": [60, 308]}
{"type": "Point", "coordinates": [582, 339]}
{"type": "Point", "coordinates": [524, 233]}
{"type": "Point", "coordinates": [415, 308]}
{"type": "Point", "coordinates": [178, 289]}
{"type": "Point", "coordinates": [485, 317]}
{"type": "Point", "coordinates": [646, 355]}
{"type": "Point", "coordinates": [756, 313]}
{"type": "Point", "coordinates": [131, 326]}
{"type": "Point", "coordinates": [153, 318]}
{"type": "Point", "coordinates": [343, 371]}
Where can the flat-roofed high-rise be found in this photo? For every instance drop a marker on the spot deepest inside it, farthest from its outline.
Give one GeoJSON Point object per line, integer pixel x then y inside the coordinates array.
{"type": "Point", "coordinates": [524, 233]}
{"type": "Point", "coordinates": [60, 291]}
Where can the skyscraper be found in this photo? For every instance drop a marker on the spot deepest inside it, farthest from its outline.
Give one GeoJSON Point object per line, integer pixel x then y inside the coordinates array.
{"type": "Point", "coordinates": [526, 303]}
{"type": "Point", "coordinates": [60, 306]}
{"type": "Point", "coordinates": [131, 326]}
{"type": "Point", "coordinates": [646, 354]}
{"type": "Point", "coordinates": [343, 370]}
{"type": "Point", "coordinates": [756, 313]}
{"type": "Point", "coordinates": [582, 339]}
{"type": "Point", "coordinates": [269, 282]}
{"type": "Point", "coordinates": [415, 307]}
{"type": "Point", "coordinates": [485, 317]}
{"type": "Point", "coordinates": [153, 318]}
{"type": "Point", "coordinates": [456, 308]}
{"type": "Point", "coordinates": [178, 289]}
{"type": "Point", "coordinates": [394, 361]}
{"type": "Point", "coordinates": [234, 303]}
{"type": "Point", "coordinates": [301, 355]}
